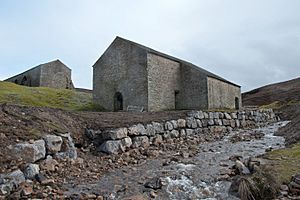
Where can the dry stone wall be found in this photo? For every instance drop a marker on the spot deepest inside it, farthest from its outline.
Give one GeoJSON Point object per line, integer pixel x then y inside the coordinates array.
{"type": "Point", "coordinates": [204, 125]}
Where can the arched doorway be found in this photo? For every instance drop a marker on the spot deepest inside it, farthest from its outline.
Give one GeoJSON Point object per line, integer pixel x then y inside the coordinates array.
{"type": "Point", "coordinates": [24, 81]}
{"type": "Point", "coordinates": [118, 101]}
{"type": "Point", "coordinates": [237, 103]}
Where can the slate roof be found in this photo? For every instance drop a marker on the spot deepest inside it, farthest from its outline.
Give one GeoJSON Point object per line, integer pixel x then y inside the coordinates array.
{"type": "Point", "coordinates": [149, 50]}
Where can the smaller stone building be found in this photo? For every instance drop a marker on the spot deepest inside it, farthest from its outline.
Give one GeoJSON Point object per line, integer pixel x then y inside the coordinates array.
{"type": "Point", "coordinates": [54, 74]}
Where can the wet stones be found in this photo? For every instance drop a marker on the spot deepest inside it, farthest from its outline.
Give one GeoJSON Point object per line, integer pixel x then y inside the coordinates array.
{"type": "Point", "coordinates": [155, 184]}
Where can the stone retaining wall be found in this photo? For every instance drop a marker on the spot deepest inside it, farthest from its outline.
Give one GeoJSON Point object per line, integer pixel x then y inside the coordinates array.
{"type": "Point", "coordinates": [199, 124]}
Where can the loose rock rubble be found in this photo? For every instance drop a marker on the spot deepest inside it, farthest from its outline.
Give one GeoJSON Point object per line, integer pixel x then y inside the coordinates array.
{"type": "Point", "coordinates": [37, 156]}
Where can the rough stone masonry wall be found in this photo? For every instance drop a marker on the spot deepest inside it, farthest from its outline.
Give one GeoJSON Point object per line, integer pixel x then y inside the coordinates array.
{"type": "Point", "coordinates": [206, 125]}
{"type": "Point", "coordinates": [56, 75]}
{"type": "Point", "coordinates": [163, 81]}
{"type": "Point", "coordinates": [32, 78]}
{"type": "Point", "coordinates": [122, 68]}
{"type": "Point", "coordinates": [222, 95]}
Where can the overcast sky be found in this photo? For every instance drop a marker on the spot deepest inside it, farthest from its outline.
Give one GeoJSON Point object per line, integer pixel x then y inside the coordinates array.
{"type": "Point", "coordinates": [249, 42]}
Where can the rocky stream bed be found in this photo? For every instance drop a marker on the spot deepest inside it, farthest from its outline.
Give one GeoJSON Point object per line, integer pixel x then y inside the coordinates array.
{"type": "Point", "coordinates": [182, 176]}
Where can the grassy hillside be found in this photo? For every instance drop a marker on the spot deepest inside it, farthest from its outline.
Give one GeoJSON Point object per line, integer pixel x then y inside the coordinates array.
{"type": "Point", "coordinates": [45, 97]}
{"type": "Point", "coordinates": [275, 95]}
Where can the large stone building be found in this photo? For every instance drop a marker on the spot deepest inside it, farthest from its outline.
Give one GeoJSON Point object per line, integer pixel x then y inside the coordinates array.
{"type": "Point", "coordinates": [53, 74]}
{"type": "Point", "coordinates": [130, 74]}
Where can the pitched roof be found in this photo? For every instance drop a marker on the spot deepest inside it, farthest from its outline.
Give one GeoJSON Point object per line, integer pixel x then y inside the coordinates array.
{"type": "Point", "coordinates": [149, 50]}
{"type": "Point", "coordinates": [40, 65]}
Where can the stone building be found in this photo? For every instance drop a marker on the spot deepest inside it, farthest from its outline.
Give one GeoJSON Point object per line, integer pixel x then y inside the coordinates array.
{"type": "Point", "coordinates": [53, 74]}
{"type": "Point", "coordinates": [130, 74]}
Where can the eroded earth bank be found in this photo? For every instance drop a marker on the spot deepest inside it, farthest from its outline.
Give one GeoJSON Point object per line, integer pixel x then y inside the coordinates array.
{"type": "Point", "coordinates": [54, 154]}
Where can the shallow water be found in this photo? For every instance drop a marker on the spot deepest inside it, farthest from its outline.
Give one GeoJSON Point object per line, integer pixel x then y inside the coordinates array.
{"type": "Point", "coordinates": [190, 178]}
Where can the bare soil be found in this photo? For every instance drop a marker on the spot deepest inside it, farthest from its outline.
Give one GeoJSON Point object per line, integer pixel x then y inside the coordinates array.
{"type": "Point", "coordinates": [22, 123]}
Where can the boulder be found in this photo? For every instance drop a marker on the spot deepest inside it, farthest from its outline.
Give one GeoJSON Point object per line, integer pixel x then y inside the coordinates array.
{"type": "Point", "coordinates": [191, 122]}
{"type": "Point", "coordinates": [92, 134]}
{"type": "Point", "coordinates": [210, 115]}
{"type": "Point", "coordinates": [31, 170]}
{"type": "Point", "coordinates": [216, 115]}
{"type": "Point", "coordinates": [111, 146]}
{"type": "Point", "coordinates": [199, 123]}
{"type": "Point", "coordinates": [237, 123]}
{"type": "Point", "coordinates": [204, 122]}
{"type": "Point", "coordinates": [242, 169]}
{"type": "Point", "coordinates": [126, 142]}
{"type": "Point", "coordinates": [221, 115]}
{"type": "Point", "coordinates": [182, 133]}
{"type": "Point", "coordinates": [158, 140]}
{"type": "Point", "coordinates": [30, 152]}
{"type": "Point", "coordinates": [49, 164]}
{"type": "Point", "coordinates": [205, 114]}
{"type": "Point", "coordinates": [181, 123]}
{"type": "Point", "coordinates": [6, 188]}
{"type": "Point", "coordinates": [68, 147]}
{"type": "Point", "coordinates": [150, 131]}
{"type": "Point", "coordinates": [174, 123]}
{"type": "Point", "coordinates": [169, 126]}
{"type": "Point", "coordinates": [53, 143]}
{"type": "Point", "coordinates": [232, 123]}
{"type": "Point", "coordinates": [233, 115]}
{"type": "Point", "coordinates": [189, 132]}
{"type": "Point", "coordinates": [155, 184]}
{"type": "Point", "coordinates": [140, 141]}
{"type": "Point", "coordinates": [138, 129]}
{"type": "Point", "coordinates": [196, 114]}
{"type": "Point", "coordinates": [227, 116]}
{"type": "Point", "coordinates": [174, 134]}
{"type": "Point", "coordinates": [115, 134]}
{"type": "Point", "coordinates": [10, 181]}
{"type": "Point", "coordinates": [167, 135]}
{"type": "Point", "coordinates": [158, 127]}
{"type": "Point", "coordinates": [210, 122]}
{"type": "Point", "coordinates": [218, 122]}
{"type": "Point", "coordinates": [226, 122]}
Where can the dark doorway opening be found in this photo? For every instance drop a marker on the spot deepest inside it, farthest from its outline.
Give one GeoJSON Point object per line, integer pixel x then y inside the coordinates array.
{"type": "Point", "coordinates": [176, 92]}
{"type": "Point", "coordinates": [237, 103]}
{"type": "Point", "coordinates": [118, 101]}
{"type": "Point", "coordinates": [24, 81]}
{"type": "Point", "coordinates": [16, 81]}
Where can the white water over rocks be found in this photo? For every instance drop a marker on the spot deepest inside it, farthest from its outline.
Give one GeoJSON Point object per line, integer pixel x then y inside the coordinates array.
{"type": "Point", "coordinates": [194, 177]}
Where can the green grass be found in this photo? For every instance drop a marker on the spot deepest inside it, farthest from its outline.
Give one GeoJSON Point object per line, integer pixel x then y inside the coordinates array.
{"type": "Point", "coordinates": [285, 162]}
{"type": "Point", "coordinates": [46, 97]}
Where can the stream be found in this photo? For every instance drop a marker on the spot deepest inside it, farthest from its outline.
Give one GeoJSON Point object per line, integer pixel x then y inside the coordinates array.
{"type": "Point", "coordinates": [187, 178]}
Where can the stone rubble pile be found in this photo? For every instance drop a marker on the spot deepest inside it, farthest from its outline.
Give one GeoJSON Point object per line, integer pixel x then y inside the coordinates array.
{"type": "Point", "coordinates": [196, 124]}
{"type": "Point", "coordinates": [292, 190]}
{"type": "Point", "coordinates": [38, 155]}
